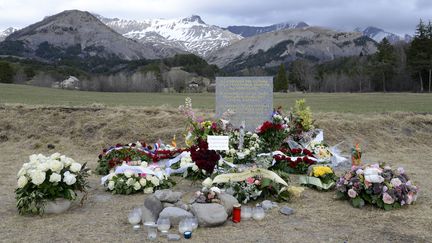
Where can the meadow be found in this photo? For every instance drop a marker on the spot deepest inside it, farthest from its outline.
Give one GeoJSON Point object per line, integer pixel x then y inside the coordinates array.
{"type": "Point", "coordinates": [392, 128]}
{"type": "Point", "coordinates": [322, 102]}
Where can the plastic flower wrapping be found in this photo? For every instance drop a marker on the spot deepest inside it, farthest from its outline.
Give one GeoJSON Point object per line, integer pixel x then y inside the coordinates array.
{"type": "Point", "coordinates": [46, 178]}
{"type": "Point", "coordinates": [378, 185]}
{"type": "Point", "coordinates": [252, 184]}
{"type": "Point", "coordinates": [321, 177]}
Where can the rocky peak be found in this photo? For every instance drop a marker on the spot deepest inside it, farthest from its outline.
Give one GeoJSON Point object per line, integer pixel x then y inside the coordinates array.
{"type": "Point", "coordinates": [194, 18]}
{"type": "Point", "coordinates": [79, 33]}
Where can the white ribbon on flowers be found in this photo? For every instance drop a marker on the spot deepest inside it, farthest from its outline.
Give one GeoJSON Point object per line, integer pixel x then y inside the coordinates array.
{"type": "Point", "coordinates": [242, 176]}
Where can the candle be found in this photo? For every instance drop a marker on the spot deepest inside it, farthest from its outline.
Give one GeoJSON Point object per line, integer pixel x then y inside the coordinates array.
{"type": "Point", "coordinates": [236, 214]}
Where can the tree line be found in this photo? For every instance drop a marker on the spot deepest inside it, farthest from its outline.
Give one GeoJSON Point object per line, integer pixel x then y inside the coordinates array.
{"type": "Point", "coordinates": [393, 68]}
{"type": "Point", "coordinates": [97, 74]}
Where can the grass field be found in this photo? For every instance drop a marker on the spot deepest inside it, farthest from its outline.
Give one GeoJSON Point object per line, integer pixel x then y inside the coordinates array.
{"type": "Point", "coordinates": [399, 139]}
{"type": "Point", "coordinates": [319, 102]}
{"type": "Point", "coordinates": [384, 124]}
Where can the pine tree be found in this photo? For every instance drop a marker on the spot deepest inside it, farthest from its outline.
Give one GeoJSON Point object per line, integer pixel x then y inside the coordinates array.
{"type": "Point", "coordinates": [386, 61]}
{"type": "Point", "coordinates": [421, 30]}
{"type": "Point", "coordinates": [6, 73]}
{"type": "Point", "coordinates": [419, 55]}
{"type": "Point", "coordinates": [281, 80]}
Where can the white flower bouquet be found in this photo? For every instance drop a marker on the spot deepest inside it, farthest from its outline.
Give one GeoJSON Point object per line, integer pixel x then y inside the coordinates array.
{"type": "Point", "coordinates": [249, 150]}
{"type": "Point", "coordinates": [134, 179]}
{"type": "Point", "coordinates": [45, 179]}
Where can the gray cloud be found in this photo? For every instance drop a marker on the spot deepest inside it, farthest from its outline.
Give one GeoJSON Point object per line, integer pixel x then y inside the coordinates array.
{"type": "Point", "coordinates": [399, 16]}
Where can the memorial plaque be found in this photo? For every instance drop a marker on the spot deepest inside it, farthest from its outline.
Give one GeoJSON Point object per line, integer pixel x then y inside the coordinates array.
{"type": "Point", "coordinates": [250, 98]}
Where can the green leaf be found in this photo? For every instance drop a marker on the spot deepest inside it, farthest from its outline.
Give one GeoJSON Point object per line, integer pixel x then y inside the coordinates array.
{"type": "Point", "coordinates": [357, 202]}
{"type": "Point", "coordinates": [388, 206]}
{"type": "Point", "coordinates": [266, 182]}
{"type": "Point", "coordinates": [340, 195]}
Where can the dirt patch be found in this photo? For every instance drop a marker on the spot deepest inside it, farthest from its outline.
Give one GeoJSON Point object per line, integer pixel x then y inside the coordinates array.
{"type": "Point", "coordinates": [400, 139]}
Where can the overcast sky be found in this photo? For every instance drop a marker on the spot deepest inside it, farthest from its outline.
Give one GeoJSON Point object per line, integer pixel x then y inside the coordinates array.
{"type": "Point", "coordinates": [398, 16]}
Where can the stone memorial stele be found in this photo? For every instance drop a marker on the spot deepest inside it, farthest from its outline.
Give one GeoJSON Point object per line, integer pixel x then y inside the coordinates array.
{"type": "Point", "coordinates": [250, 98]}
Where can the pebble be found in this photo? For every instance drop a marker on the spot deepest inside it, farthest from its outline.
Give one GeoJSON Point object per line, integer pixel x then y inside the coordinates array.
{"type": "Point", "coordinates": [267, 204]}
{"type": "Point", "coordinates": [286, 210]}
{"type": "Point", "coordinates": [173, 237]}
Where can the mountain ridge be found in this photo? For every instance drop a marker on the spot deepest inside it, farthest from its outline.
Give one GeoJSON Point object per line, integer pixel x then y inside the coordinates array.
{"type": "Point", "coordinates": [273, 48]}
{"type": "Point", "coordinates": [249, 31]}
{"type": "Point", "coordinates": [80, 34]}
{"type": "Point", "coordinates": [190, 34]}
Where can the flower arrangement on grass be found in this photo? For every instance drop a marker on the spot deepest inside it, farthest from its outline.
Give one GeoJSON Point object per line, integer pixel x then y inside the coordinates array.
{"type": "Point", "coordinates": [321, 177]}
{"type": "Point", "coordinates": [253, 184]}
{"type": "Point", "coordinates": [205, 159]}
{"type": "Point", "coordinates": [273, 133]}
{"type": "Point", "coordinates": [378, 185]}
{"type": "Point", "coordinates": [197, 128]}
{"type": "Point", "coordinates": [130, 182]}
{"type": "Point", "coordinates": [189, 169]}
{"type": "Point", "coordinates": [297, 162]}
{"type": "Point", "coordinates": [45, 179]}
{"type": "Point", "coordinates": [321, 151]}
{"type": "Point", "coordinates": [251, 146]}
{"type": "Point", "coordinates": [301, 119]}
{"type": "Point", "coordinates": [114, 156]}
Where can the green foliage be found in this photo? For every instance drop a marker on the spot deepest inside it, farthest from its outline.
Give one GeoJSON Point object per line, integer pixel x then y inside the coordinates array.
{"type": "Point", "coordinates": [302, 115]}
{"type": "Point", "coordinates": [361, 41]}
{"type": "Point", "coordinates": [14, 48]}
{"type": "Point", "coordinates": [193, 64]}
{"type": "Point", "coordinates": [281, 80]}
{"type": "Point", "coordinates": [419, 54]}
{"type": "Point", "coordinates": [357, 202]}
{"type": "Point", "coordinates": [6, 72]}
{"type": "Point", "coordinates": [385, 61]}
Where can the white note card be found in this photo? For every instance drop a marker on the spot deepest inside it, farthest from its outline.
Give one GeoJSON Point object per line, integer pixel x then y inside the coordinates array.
{"type": "Point", "coordinates": [218, 142]}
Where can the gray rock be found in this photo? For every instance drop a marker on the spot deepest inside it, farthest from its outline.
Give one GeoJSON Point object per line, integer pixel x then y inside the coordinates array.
{"type": "Point", "coordinates": [166, 204]}
{"type": "Point", "coordinates": [182, 205]}
{"type": "Point", "coordinates": [151, 209]}
{"type": "Point", "coordinates": [168, 195]}
{"type": "Point", "coordinates": [209, 214]}
{"type": "Point", "coordinates": [286, 210]}
{"type": "Point", "coordinates": [267, 204]}
{"type": "Point", "coordinates": [174, 214]}
{"type": "Point", "coordinates": [228, 201]}
{"type": "Point", "coordinates": [189, 197]}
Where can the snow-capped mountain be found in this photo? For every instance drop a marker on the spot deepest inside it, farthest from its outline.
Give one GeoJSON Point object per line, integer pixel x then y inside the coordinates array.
{"type": "Point", "coordinates": [378, 35]}
{"type": "Point", "coordinates": [248, 31]}
{"type": "Point", "coordinates": [190, 34]}
{"type": "Point", "coordinates": [5, 33]}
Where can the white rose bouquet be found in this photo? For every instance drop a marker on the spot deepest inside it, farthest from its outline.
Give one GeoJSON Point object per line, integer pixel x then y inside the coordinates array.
{"type": "Point", "coordinates": [130, 182]}
{"type": "Point", "coordinates": [48, 178]}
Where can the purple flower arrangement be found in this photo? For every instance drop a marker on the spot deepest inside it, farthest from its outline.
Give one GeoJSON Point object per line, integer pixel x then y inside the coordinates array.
{"type": "Point", "coordinates": [377, 185]}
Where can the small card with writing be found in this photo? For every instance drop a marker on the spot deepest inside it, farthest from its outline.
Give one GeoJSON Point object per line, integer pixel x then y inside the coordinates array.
{"type": "Point", "coordinates": [218, 142]}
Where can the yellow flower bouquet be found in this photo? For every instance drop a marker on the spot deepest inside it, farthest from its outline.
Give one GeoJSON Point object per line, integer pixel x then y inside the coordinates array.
{"type": "Point", "coordinates": [321, 177]}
